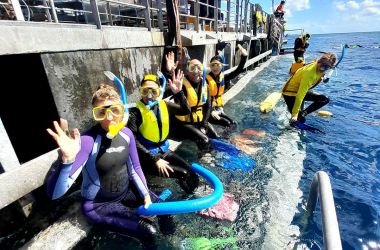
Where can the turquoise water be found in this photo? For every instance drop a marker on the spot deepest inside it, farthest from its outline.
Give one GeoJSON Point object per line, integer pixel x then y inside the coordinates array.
{"type": "Point", "coordinates": [272, 197]}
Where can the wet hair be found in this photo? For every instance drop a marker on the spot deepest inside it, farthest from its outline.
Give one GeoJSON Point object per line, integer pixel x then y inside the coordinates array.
{"type": "Point", "coordinates": [216, 58]}
{"type": "Point", "coordinates": [282, 2]}
{"type": "Point", "coordinates": [328, 59]}
{"type": "Point", "coordinates": [105, 92]}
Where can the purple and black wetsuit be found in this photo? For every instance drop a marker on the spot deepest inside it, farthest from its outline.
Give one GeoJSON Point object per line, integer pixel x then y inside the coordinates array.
{"type": "Point", "coordinates": [113, 182]}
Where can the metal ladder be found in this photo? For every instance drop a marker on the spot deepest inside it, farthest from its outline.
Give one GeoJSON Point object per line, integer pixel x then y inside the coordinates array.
{"type": "Point", "coordinates": [321, 186]}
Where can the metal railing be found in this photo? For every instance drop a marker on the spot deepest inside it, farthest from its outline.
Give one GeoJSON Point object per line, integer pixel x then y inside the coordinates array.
{"type": "Point", "coordinates": [231, 16]}
{"type": "Point", "coordinates": [321, 187]}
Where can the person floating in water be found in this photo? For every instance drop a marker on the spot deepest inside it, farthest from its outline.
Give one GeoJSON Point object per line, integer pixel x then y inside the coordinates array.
{"type": "Point", "coordinates": [297, 89]}
{"type": "Point", "coordinates": [217, 83]}
{"type": "Point", "coordinates": [113, 181]}
{"type": "Point", "coordinates": [151, 128]}
{"type": "Point", "coordinates": [300, 46]}
{"type": "Point", "coordinates": [352, 46]}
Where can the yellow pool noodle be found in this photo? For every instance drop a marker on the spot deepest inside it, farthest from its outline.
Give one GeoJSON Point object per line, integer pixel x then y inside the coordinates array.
{"type": "Point", "coordinates": [269, 103]}
{"type": "Point", "coordinates": [324, 113]}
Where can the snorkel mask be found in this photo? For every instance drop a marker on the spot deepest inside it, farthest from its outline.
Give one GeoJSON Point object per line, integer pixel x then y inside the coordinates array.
{"type": "Point", "coordinates": [113, 130]}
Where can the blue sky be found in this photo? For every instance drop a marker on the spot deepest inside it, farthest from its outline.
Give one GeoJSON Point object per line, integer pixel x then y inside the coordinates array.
{"type": "Point", "coordinates": [329, 16]}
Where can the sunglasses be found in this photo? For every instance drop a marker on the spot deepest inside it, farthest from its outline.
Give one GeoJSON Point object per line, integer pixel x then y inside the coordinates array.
{"type": "Point", "coordinates": [100, 112]}
{"type": "Point", "coordinates": [193, 67]}
{"type": "Point", "coordinates": [215, 65]}
{"type": "Point", "coordinates": [144, 91]}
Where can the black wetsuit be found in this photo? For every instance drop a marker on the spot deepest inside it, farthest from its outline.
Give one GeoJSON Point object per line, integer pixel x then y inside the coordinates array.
{"type": "Point", "coordinates": [224, 120]}
{"type": "Point", "coordinates": [299, 48]}
{"type": "Point", "coordinates": [192, 130]}
{"type": "Point", "coordinates": [188, 180]}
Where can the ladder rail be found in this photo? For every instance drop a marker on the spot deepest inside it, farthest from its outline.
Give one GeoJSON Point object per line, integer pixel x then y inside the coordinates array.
{"type": "Point", "coordinates": [321, 187]}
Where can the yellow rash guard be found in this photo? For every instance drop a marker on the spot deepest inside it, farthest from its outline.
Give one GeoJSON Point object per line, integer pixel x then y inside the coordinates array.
{"type": "Point", "coordinates": [298, 85]}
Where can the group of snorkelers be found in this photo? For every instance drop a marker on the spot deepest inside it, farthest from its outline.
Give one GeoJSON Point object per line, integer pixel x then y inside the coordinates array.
{"type": "Point", "coordinates": [114, 169]}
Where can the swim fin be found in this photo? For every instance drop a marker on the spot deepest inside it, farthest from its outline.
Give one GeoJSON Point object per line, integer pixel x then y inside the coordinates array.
{"type": "Point", "coordinates": [304, 126]}
{"type": "Point", "coordinates": [232, 157]}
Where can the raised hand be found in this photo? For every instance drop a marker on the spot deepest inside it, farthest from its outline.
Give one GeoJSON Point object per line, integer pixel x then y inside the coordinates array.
{"type": "Point", "coordinates": [163, 167]}
{"type": "Point", "coordinates": [176, 83]}
{"type": "Point", "coordinates": [68, 144]}
{"type": "Point", "coordinates": [170, 64]}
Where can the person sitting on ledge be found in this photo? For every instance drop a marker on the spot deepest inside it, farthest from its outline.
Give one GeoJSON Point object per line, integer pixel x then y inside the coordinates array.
{"type": "Point", "coordinates": [113, 182]}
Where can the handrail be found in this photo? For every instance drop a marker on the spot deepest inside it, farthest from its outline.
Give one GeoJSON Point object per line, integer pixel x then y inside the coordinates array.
{"type": "Point", "coordinates": [321, 186]}
{"type": "Point", "coordinates": [240, 14]}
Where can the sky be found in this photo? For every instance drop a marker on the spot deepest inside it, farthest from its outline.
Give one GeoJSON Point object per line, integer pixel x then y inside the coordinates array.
{"type": "Point", "coordinates": [329, 16]}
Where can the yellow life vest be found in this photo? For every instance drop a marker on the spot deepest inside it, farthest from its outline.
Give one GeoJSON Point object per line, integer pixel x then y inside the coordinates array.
{"type": "Point", "coordinates": [258, 18]}
{"type": "Point", "coordinates": [149, 129]}
{"type": "Point", "coordinates": [295, 66]}
{"type": "Point", "coordinates": [195, 103]}
{"type": "Point", "coordinates": [215, 92]}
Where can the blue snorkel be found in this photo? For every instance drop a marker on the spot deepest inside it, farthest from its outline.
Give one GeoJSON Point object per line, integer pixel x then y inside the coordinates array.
{"type": "Point", "coordinates": [113, 130]}
{"type": "Point", "coordinates": [162, 91]}
{"type": "Point", "coordinates": [204, 98]}
{"type": "Point", "coordinates": [329, 74]}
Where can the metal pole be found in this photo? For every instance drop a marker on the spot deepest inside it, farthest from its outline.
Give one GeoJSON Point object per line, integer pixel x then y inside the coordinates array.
{"type": "Point", "coordinates": [109, 13]}
{"type": "Point", "coordinates": [216, 15]}
{"type": "Point", "coordinates": [53, 11]}
{"type": "Point", "coordinates": [160, 17]}
{"type": "Point", "coordinates": [17, 9]}
{"type": "Point", "coordinates": [251, 25]}
{"type": "Point", "coordinates": [196, 12]}
{"type": "Point", "coordinates": [321, 184]}
{"type": "Point", "coordinates": [237, 16]}
{"type": "Point", "coordinates": [47, 10]}
{"type": "Point", "coordinates": [95, 13]}
{"type": "Point", "coordinates": [147, 15]}
{"type": "Point", "coordinates": [228, 14]}
{"type": "Point", "coordinates": [245, 15]}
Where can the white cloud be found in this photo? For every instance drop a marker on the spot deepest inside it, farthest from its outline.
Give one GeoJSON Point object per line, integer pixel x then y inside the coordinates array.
{"type": "Point", "coordinates": [298, 5]}
{"type": "Point", "coordinates": [369, 3]}
{"type": "Point", "coordinates": [373, 10]}
{"type": "Point", "coordinates": [353, 5]}
{"type": "Point", "coordinates": [340, 6]}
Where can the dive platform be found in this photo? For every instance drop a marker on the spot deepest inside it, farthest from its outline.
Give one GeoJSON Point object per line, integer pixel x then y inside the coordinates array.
{"type": "Point", "coordinates": [56, 53]}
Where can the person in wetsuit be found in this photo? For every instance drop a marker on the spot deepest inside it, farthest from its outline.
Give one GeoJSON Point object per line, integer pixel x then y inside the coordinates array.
{"type": "Point", "coordinates": [218, 82]}
{"type": "Point", "coordinates": [300, 46]}
{"type": "Point", "coordinates": [193, 126]}
{"type": "Point", "coordinates": [113, 182]}
{"type": "Point", "coordinates": [150, 125]}
{"type": "Point", "coordinates": [297, 89]}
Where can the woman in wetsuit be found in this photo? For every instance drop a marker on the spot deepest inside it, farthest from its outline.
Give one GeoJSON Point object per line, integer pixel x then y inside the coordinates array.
{"type": "Point", "coordinates": [297, 89]}
{"type": "Point", "coordinates": [113, 182]}
{"type": "Point", "coordinates": [151, 127]}
{"type": "Point", "coordinates": [217, 83]}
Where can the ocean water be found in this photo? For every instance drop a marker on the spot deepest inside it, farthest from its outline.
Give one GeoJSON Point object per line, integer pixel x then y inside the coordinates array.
{"type": "Point", "coordinates": [347, 149]}
{"type": "Point", "coordinates": [272, 197]}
